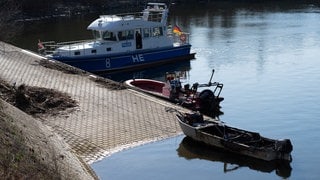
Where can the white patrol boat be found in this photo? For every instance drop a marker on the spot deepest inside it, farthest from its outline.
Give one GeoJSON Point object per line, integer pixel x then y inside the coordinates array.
{"type": "Point", "coordinates": [125, 41]}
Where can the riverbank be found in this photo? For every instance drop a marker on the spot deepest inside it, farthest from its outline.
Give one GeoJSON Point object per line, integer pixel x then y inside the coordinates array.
{"type": "Point", "coordinates": [31, 150]}
{"type": "Point", "coordinates": [94, 116]}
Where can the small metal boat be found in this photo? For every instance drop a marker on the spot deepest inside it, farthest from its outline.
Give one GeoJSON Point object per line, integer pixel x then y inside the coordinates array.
{"type": "Point", "coordinates": [205, 101]}
{"type": "Point", "coordinates": [217, 134]}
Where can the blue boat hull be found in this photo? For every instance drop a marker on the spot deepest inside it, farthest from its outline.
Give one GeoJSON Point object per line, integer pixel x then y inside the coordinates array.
{"type": "Point", "coordinates": [137, 59]}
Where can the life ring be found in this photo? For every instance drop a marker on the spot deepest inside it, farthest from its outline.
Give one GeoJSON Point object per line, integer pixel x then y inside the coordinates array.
{"type": "Point", "coordinates": [183, 37]}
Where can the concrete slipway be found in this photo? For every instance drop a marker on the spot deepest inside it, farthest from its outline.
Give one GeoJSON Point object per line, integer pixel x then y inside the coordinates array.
{"type": "Point", "coordinates": [105, 120]}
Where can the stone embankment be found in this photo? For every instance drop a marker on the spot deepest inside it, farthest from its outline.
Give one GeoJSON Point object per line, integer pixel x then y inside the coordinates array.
{"type": "Point", "coordinates": [107, 117]}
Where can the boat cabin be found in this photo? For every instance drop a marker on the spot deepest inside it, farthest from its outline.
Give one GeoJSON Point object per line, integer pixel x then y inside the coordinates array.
{"type": "Point", "coordinates": [124, 33]}
{"type": "Point", "coordinates": [138, 27]}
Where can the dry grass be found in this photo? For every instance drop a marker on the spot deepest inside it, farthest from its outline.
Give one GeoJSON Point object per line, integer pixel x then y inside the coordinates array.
{"type": "Point", "coordinates": [18, 161]}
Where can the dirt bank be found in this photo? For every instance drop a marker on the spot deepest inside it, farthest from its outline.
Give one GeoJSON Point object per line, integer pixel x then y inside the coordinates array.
{"type": "Point", "coordinates": [31, 150]}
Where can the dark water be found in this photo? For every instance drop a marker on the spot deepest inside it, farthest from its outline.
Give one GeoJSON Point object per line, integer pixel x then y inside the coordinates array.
{"type": "Point", "coordinates": [267, 57]}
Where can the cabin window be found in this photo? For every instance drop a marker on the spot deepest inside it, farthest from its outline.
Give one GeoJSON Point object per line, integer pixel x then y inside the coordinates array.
{"type": "Point", "coordinates": [146, 32]}
{"type": "Point", "coordinates": [93, 51]}
{"type": "Point", "coordinates": [96, 34]}
{"type": "Point", "coordinates": [130, 34]}
{"type": "Point", "coordinates": [125, 35]}
{"type": "Point", "coordinates": [109, 36]}
{"type": "Point", "coordinates": [108, 49]}
{"type": "Point", "coordinates": [157, 31]}
{"type": "Point", "coordinates": [122, 35]}
{"type": "Point", "coordinates": [77, 53]}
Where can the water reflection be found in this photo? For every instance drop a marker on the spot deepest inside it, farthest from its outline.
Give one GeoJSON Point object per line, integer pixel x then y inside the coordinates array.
{"type": "Point", "coordinates": [190, 149]}
{"type": "Point", "coordinates": [266, 54]}
{"type": "Point", "coordinates": [244, 32]}
{"type": "Point", "coordinates": [225, 13]}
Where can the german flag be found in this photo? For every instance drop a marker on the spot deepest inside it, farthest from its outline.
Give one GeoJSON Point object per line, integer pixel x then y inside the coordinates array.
{"type": "Point", "coordinates": [177, 30]}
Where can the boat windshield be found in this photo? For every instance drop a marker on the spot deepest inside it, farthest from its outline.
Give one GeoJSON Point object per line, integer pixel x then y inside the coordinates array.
{"type": "Point", "coordinates": [126, 35]}
{"type": "Point", "coordinates": [109, 36]}
{"type": "Point", "coordinates": [96, 34]}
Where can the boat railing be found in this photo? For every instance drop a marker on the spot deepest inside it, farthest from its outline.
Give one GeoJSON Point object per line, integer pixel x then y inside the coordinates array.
{"type": "Point", "coordinates": [217, 90]}
{"type": "Point", "coordinates": [123, 16]}
{"type": "Point", "coordinates": [180, 39]}
{"type": "Point", "coordinates": [147, 16]}
{"type": "Point", "coordinates": [49, 47]}
{"type": "Point", "coordinates": [78, 42]}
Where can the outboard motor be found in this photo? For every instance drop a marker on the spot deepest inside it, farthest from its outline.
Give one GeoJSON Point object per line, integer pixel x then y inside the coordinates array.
{"type": "Point", "coordinates": [208, 103]}
{"type": "Point", "coordinates": [283, 146]}
{"type": "Point", "coordinates": [186, 88]}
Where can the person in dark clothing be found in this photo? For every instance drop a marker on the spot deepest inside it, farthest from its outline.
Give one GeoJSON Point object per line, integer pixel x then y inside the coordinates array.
{"type": "Point", "coordinates": [138, 40]}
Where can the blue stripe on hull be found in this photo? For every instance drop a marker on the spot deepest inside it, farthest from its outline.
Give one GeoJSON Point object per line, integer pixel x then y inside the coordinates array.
{"type": "Point", "coordinates": [108, 63]}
